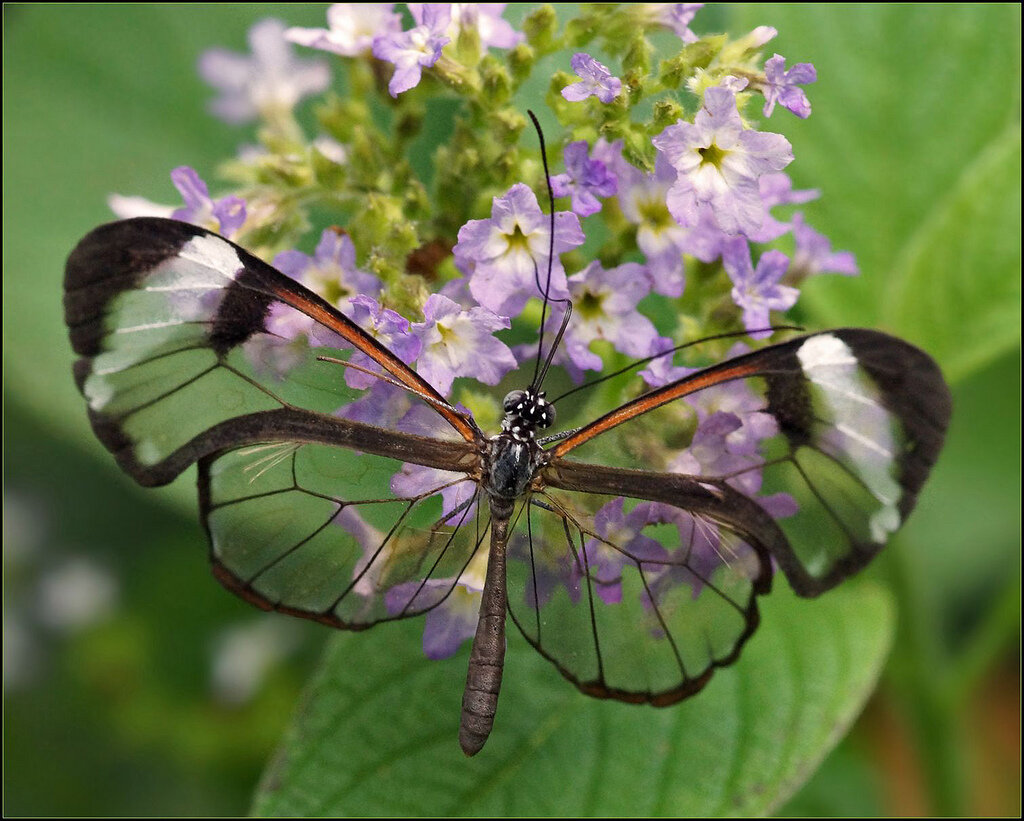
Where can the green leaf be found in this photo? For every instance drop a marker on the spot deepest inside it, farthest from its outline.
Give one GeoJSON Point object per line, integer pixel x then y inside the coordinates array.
{"type": "Point", "coordinates": [377, 732]}
{"type": "Point", "coordinates": [956, 291]}
{"type": "Point", "coordinates": [911, 142]}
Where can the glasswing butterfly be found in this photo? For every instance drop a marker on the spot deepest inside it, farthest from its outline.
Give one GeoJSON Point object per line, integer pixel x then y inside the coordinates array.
{"type": "Point", "coordinates": [636, 575]}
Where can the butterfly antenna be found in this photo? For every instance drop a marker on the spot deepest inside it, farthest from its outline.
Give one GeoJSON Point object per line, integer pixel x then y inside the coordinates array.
{"type": "Point", "coordinates": [540, 372]}
{"type": "Point", "coordinates": [641, 362]}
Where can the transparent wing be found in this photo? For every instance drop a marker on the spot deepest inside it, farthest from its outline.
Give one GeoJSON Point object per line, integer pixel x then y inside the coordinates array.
{"type": "Point", "coordinates": [834, 434]}
{"type": "Point", "coordinates": [189, 344]}
{"type": "Point", "coordinates": [634, 600]}
{"type": "Point", "coordinates": [191, 349]}
{"type": "Point", "coordinates": [316, 531]}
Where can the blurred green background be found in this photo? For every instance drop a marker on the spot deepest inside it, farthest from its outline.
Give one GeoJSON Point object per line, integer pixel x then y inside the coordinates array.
{"type": "Point", "coordinates": [134, 685]}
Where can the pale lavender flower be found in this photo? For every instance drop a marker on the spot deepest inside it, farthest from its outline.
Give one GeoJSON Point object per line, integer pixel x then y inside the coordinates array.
{"type": "Point", "coordinates": [452, 616]}
{"type": "Point", "coordinates": [718, 163]}
{"type": "Point", "coordinates": [413, 50]}
{"type": "Point", "coordinates": [387, 327]}
{"type": "Point", "coordinates": [505, 255]}
{"type": "Point", "coordinates": [225, 216]}
{"type": "Point", "coordinates": [814, 254]}
{"type": "Point", "coordinates": [662, 239]}
{"type": "Point", "coordinates": [610, 153]}
{"type": "Point", "coordinates": [605, 308]}
{"type": "Point", "coordinates": [269, 81]}
{"type": "Point", "coordinates": [596, 81]}
{"type": "Point", "coordinates": [677, 16]}
{"type": "Point", "coordinates": [457, 342]}
{"type": "Point", "coordinates": [714, 452]}
{"type": "Point", "coordinates": [456, 490]}
{"type": "Point", "coordinates": [376, 551]}
{"type": "Point", "coordinates": [736, 399]}
{"type": "Point", "coordinates": [585, 180]}
{"type": "Point", "coordinates": [757, 290]}
{"type": "Point", "coordinates": [351, 28]}
{"type": "Point", "coordinates": [485, 18]}
{"type": "Point", "coordinates": [383, 405]}
{"type": "Point", "coordinates": [755, 39]}
{"type": "Point", "coordinates": [620, 533]}
{"type": "Point", "coordinates": [331, 272]}
{"type": "Point", "coordinates": [660, 370]}
{"type": "Point", "coordinates": [777, 189]}
{"type": "Point", "coordinates": [780, 86]}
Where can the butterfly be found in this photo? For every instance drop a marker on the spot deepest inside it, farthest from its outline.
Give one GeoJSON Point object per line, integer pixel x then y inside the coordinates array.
{"type": "Point", "coordinates": [636, 575]}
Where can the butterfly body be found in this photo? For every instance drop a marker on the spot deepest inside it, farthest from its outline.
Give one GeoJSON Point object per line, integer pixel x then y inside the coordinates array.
{"type": "Point", "coordinates": [635, 569]}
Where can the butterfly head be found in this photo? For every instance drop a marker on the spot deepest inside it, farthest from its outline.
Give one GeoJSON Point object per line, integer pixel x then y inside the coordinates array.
{"type": "Point", "coordinates": [527, 411]}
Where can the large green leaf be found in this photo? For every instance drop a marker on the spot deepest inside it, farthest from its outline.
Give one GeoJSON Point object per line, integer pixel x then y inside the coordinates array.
{"type": "Point", "coordinates": [958, 286]}
{"type": "Point", "coordinates": [377, 732]}
{"type": "Point", "coordinates": [914, 142]}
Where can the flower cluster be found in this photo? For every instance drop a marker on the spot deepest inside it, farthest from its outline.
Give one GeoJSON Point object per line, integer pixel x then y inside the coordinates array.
{"type": "Point", "coordinates": [666, 180]}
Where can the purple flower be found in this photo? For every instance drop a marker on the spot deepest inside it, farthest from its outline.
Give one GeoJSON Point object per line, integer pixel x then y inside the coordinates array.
{"type": "Point", "coordinates": [718, 163]}
{"type": "Point", "coordinates": [621, 542]}
{"type": "Point", "coordinates": [726, 446]}
{"type": "Point", "coordinates": [662, 239]}
{"type": "Point", "coordinates": [457, 342]}
{"type": "Point", "coordinates": [270, 81]}
{"type": "Point", "coordinates": [225, 215]}
{"type": "Point", "coordinates": [331, 272]}
{"type": "Point", "coordinates": [677, 16]}
{"type": "Point", "coordinates": [596, 81]}
{"type": "Point", "coordinates": [736, 399]}
{"type": "Point", "coordinates": [701, 552]}
{"type": "Point", "coordinates": [660, 371]}
{"type": "Point", "coordinates": [410, 51]}
{"type": "Point", "coordinates": [505, 255]}
{"type": "Point", "coordinates": [781, 86]}
{"type": "Point", "coordinates": [389, 328]}
{"type": "Point", "coordinates": [814, 254]}
{"type": "Point", "coordinates": [383, 405]}
{"type": "Point", "coordinates": [757, 290]}
{"type": "Point", "coordinates": [486, 19]}
{"type": "Point", "coordinates": [369, 566]}
{"type": "Point", "coordinates": [777, 189]}
{"type": "Point", "coordinates": [455, 604]}
{"type": "Point", "coordinates": [585, 179]}
{"type": "Point", "coordinates": [604, 305]}
{"type": "Point", "coordinates": [351, 28]}
{"type": "Point", "coordinates": [455, 489]}
{"type": "Point", "coordinates": [551, 567]}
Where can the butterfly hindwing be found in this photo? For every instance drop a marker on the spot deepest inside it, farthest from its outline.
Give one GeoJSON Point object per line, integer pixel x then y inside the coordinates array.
{"type": "Point", "coordinates": [634, 600]}
{"type": "Point", "coordinates": [317, 531]}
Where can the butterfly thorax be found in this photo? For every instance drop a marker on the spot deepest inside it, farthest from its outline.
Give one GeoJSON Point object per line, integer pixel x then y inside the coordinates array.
{"type": "Point", "coordinates": [514, 454]}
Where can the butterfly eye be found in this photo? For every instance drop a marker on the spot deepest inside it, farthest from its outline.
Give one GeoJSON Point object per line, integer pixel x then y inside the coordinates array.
{"type": "Point", "coordinates": [512, 398]}
{"type": "Point", "coordinates": [547, 416]}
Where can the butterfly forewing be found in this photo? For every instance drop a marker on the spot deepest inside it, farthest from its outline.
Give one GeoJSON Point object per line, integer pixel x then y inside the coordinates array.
{"type": "Point", "coordinates": [632, 600]}
{"type": "Point", "coordinates": [180, 331]}
{"type": "Point", "coordinates": [833, 434]}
